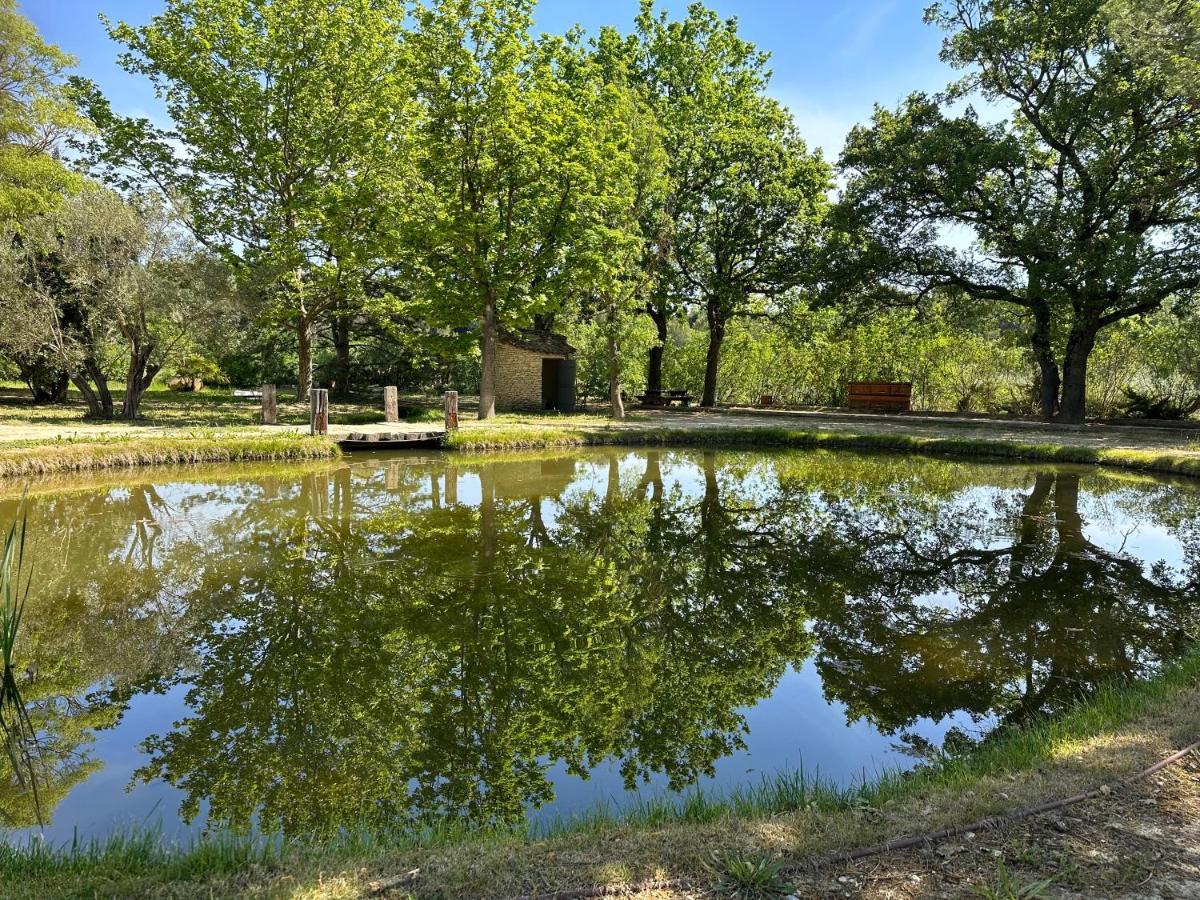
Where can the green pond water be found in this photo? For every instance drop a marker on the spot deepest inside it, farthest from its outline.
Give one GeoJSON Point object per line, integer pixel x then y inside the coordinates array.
{"type": "Point", "coordinates": [387, 638]}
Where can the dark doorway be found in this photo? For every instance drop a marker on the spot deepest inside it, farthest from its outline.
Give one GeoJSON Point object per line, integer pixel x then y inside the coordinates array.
{"type": "Point", "coordinates": [550, 375]}
{"type": "Point", "coordinates": [558, 384]}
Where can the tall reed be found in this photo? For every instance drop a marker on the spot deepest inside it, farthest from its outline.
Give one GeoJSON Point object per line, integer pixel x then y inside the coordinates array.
{"type": "Point", "coordinates": [16, 727]}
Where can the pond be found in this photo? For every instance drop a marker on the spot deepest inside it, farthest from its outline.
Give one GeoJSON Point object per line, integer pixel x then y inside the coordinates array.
{"type": "Point", "coordinates": [390, 638]}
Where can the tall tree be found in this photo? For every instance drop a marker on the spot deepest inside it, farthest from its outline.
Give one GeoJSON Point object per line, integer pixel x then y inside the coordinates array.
{"type": "Point", "coordinates": [630, 230]}
{"type": "Point", "coordinates": [281, 150]}
{"type": "Point", "coordinates": [505, 162]}
{"type": "Point", "coordinates": [1080, 211]}
{"type": "Point", "coordinates": [746, 193]}
{"type": "Point", "coordinates": [36, 114]}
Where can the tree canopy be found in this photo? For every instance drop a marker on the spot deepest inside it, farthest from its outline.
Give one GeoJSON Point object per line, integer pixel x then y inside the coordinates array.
{"type": "Point", "coordinates": [1078, 210]}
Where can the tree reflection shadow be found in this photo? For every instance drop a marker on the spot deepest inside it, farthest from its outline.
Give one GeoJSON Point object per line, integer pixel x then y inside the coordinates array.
{"type": "Point", "coordinates": [360, 647]}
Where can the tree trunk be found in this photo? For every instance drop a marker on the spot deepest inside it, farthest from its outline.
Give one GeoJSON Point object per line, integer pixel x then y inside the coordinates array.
{"type": "Point", "coordinates": [716, 336]}
{"type": "Point", "coordinates": [342, 369]}
{"type": "Point", "coordinates": [141, 376]}
{"type": "Point", "coordinates": [304, 358]}
{"type": "Point", "coordinates": [1073, 406]}
{"type": "Point", "coordinates": [1043, 352]}
{"type": "Point", "coordinates": [90, 397]}
{"type": "Point", "coordinates": [101, 381]}
{"type": "Point", "coordinates": [92, 383]}
{"type": "Point", "coordinates": [654, 366]}
{"type": "Point", "coordinates": [487, 360]}
{"type": "Point", "coordinates": [614, 370]}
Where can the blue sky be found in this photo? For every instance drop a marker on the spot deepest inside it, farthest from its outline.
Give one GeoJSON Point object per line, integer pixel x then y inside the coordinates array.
{"type": "Point", "coordinates": [833, 59]}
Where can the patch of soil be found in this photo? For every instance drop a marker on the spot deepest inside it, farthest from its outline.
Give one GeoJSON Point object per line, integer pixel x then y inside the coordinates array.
{"type": "Point", "coordinates": [1138, 842]}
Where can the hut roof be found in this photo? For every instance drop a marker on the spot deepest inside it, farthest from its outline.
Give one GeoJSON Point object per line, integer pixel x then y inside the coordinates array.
{"type": "Point", "coordinates": [544, 342]}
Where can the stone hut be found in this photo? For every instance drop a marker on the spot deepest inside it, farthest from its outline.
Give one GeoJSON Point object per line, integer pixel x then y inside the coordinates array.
{"type": "Point", "coordinates": [534, 370]}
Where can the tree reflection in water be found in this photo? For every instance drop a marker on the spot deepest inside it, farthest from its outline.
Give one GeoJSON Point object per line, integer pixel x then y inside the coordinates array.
{"type": "Point", "coordinates": [383, 644]}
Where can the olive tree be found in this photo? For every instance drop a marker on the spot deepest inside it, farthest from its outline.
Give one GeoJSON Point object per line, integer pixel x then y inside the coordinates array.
{"type": "Point", "coordinates": [104, 285]}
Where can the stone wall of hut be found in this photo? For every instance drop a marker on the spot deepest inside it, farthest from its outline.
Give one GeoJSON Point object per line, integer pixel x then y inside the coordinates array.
{"type": "Point", "coordinates": [518, 378]}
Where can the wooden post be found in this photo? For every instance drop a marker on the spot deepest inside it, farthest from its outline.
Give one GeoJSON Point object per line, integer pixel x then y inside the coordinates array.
{"type": "Point", "coordinates": [451, 411]}
{"type": "Point", "coordinates": [391, 405]}
{"type": "Point", "coordinates": [270, 408]}
{"type": "Point", "coordinates": [319, 408]}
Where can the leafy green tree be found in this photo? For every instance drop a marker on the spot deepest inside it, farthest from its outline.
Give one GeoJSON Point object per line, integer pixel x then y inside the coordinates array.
{"type": "Point", "coordinates": [1079, 212]}
{"type": "Point", "coordinates": [1164, 34]}
{"type": "Point", "coordinates": [508, 173]}
{"type": "Point", "coordinates": [282, 152]}
{"type": "Point", "coordinates": [747, 196]}
{"type": "Point", "coordinates": [36, 115]}
{"type": "Point", "coordinates": [629, 234]}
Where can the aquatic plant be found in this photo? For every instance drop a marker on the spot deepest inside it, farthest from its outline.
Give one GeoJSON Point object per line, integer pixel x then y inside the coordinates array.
{"type": "Point", "coordinates": [16, 728]}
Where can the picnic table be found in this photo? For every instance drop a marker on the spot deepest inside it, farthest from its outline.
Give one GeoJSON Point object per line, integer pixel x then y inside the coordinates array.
{"type": "Point", "coordinates": [665, 398]}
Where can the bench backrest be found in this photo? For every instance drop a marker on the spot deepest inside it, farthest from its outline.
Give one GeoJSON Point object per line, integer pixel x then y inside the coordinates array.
{"type": "Point", "coordinates": [890, 395]}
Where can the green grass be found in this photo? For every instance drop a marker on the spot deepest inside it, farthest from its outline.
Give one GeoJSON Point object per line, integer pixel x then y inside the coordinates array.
{"type": "Point", "coordinates": [81, 868]}
{"type": "Point", "coordinates": [526, 437]}
{"type": "Point", "coordinates": [31, 458]}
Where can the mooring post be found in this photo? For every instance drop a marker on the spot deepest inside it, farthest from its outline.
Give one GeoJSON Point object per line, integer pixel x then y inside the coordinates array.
{"type": "Point", "coordinates": [451, 411]}
{"type": "Point", "coordinates": [319, 408]}
{"type": "Point", "coordinates": [270, 409]}
{"type": "Point", "coordinates": [391, 405]}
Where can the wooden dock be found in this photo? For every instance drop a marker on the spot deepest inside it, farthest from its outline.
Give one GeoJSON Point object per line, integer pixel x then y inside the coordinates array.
{"type": "Point", "coordinates": [397, 440]}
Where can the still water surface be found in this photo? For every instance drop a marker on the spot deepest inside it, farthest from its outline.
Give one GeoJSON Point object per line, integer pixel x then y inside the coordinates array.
{"type": "Point", "coordinates": [388, 638]}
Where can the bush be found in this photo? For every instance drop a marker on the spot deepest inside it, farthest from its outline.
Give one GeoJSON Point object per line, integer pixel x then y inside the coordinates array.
{"type": "Point", "coordinates": [1140, 405]}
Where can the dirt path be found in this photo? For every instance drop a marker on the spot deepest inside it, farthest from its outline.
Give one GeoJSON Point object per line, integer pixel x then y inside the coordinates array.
{"type": "Point", "coordinates": [13, 428]}
{"type": "Point", "coordinates": [1099, 436]}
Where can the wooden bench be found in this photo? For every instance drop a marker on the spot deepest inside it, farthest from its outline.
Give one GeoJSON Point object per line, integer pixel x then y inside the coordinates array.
{"type": "Point", "coordinates": [888, 396]}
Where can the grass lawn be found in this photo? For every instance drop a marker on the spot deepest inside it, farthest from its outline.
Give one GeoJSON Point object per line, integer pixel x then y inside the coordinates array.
{"type": "Point", "coordinates": [163, 409]}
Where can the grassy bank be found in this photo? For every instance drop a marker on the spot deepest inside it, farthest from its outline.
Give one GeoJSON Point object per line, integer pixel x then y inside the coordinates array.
{"type": "Point", "coordinates": [785, 818]}
{"type": "Point", "coordinates": [527, 437]}
{"type": "Point", "coordinates": [30, 458]}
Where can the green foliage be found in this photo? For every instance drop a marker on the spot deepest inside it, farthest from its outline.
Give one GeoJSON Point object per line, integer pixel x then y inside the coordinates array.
{"type": "Point", "coordinates": [1006, 887]}
{"type": "Point", "coordinates": [747, 199]}
{"type": "Point", "coordinates": [1157, 406]}
{"type": "Point", "coordinates": [285, 119]}
{"type": "Point", "coordinates": [1163, 35]}
{"type": "Point", "coordinates": [35, 115]}
{"type": "Point", "coordinates": [98, 278]}
{"type": "Point", "coordinates": [755, 877]}
{"type": "Point", "coordinates": [1054, 198]}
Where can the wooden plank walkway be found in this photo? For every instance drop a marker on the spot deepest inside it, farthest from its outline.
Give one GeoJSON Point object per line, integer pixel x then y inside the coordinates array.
{"type": "Point", "coordinates": [391, 440]}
